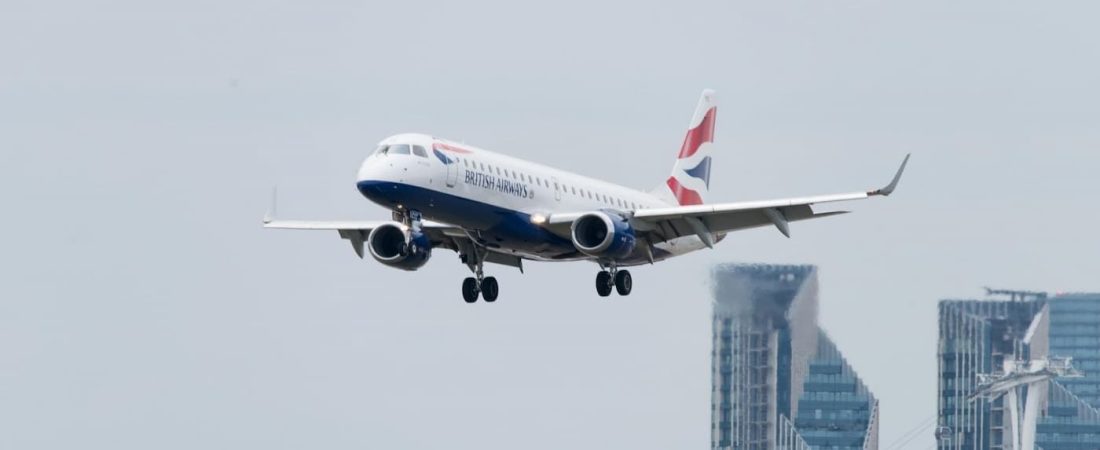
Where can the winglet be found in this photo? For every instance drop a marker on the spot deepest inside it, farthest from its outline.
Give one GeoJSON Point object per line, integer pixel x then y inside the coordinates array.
{"type": "Point", "coordinates": [269, 216]}
{"type": "Point", "coordinates": [889, 189]}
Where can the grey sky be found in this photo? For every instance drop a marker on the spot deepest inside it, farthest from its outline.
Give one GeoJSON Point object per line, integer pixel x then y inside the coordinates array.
{"type": "Point", "coordinates": [143, 306]}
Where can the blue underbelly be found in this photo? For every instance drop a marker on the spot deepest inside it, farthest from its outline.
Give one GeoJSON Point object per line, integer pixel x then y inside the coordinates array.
{"type": "Point", "coordinates": [493, 226]}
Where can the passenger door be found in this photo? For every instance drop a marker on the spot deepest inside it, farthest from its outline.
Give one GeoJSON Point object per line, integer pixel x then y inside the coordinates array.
{"type": "Point", "coordinates": [452, 171]}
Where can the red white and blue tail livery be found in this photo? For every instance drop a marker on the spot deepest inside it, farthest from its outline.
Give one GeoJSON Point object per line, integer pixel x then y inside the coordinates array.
{"type": "Point", "coordinates": [492, 208]}
{"type": "Point", "coordinates": [690, 179]}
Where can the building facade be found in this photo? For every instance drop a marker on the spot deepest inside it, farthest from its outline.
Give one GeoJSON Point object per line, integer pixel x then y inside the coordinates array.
{"type": "Point", "coordinates": [1075, 332]}
{"type": "Point", "coordinates": [1072, 419]}
{"type": "Point", "coordinates": [778, 381]}
{"type": "Point", "coordinates": [976, 337]}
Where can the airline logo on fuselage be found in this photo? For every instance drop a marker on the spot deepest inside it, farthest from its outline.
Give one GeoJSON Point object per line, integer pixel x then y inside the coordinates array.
{"type": "Point", "coordinates": [483, 180]}
{"type": "Point", "coordinates": [499, 184]}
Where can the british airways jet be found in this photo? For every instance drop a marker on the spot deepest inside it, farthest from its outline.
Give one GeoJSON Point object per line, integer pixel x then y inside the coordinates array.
{"type": "Point", "coordinates": [491, 208]}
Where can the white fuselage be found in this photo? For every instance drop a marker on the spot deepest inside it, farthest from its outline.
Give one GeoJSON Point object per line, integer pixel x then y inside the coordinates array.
{"type": "Point", "coordinates": [501, 201]}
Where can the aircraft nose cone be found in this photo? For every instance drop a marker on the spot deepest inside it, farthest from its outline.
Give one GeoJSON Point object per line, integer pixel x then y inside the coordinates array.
{"type": "Point", "coordinates": [371, 181]}
{"type": "Point", "coordinates": [370, 170]}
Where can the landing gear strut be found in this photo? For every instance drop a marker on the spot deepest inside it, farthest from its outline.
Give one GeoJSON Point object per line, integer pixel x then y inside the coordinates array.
{"type": "Point", "coordinates": [620, 280]}
{"type": "Point", "coordinates": [487, 287]}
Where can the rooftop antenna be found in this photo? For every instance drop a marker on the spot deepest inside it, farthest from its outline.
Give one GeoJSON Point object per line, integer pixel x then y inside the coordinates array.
{"type": "Point", "coordinates": [1016, 295]}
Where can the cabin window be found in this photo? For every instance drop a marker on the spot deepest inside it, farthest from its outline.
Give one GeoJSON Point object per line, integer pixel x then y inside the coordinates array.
{"type": "Point", "coordinates": [465, 163]}
{"type": "Point", "coordinates": [399, 149]}
{"type": "Point", "coordinates": [419, 151]}
{"type": "Point", "coordinates": [498, 170]}
{"type": "Point", "coordinates": [590, 195]}
{"type": "Point", "coordinates": [574, 190]}
{"type": "Point", "coordinates": [482, 166]}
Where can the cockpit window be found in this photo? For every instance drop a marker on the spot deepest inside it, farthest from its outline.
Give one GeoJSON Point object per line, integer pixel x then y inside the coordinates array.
{"type": "Point", "coordinates": [399, 149]}
{"type": "Point", "coordinates": [381, 150]}
{"type": "Point", "coordinates": [419, 151]}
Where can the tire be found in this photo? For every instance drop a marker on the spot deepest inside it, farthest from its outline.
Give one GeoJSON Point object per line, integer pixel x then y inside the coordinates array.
{"type": "Point", "coordinates": [469, 290]}
{"type": "Point", "coordinates": [489, 289]}
{"type": "Point", "coordinates": [623, 282]}
{"type": "Point", "coordinates": [603, 283]}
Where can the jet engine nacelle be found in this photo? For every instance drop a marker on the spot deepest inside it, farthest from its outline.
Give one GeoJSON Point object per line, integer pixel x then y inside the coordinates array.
{"type": "Point", "coordinates": [603, 235]}
{"type": "Point", "coordinates": [391, 245]}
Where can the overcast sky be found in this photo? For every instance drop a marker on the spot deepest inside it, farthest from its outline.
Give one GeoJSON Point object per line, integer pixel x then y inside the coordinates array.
{"type": "Point", "coordinates": [142, 306]}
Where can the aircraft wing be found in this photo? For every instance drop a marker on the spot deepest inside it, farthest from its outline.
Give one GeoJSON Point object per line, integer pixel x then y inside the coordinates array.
{"type": "Point", "coordinates": [356, 231]}
{"type": "Point", "coordinates": [706, 221]}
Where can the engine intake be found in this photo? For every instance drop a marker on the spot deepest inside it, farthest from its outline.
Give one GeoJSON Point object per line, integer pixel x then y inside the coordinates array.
{"type": "Point", "coordinates": [389, 244]}
{"type": "Point", "coordinates": [603, 235]}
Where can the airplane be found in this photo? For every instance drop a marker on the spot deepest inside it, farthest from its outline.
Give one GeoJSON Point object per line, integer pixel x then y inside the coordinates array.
{"type": "Point", "coordinates": [492, 208]}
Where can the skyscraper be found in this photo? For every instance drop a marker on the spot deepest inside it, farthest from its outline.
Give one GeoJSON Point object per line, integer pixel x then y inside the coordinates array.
{"type": "Point", "coordinates": [1075, 332]}
{"type": "Point", "coordinates": [778, 381]}
{"type": "Point", "coordinates": [976, 337]}
{"type": "Point", "coordinates": [1072, 419]}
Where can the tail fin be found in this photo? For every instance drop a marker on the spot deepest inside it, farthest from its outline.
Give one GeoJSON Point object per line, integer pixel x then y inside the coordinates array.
{"type": "Point", "coordinates": [690, 179]}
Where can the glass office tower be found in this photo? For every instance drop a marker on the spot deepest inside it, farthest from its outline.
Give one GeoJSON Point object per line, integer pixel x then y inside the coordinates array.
{"type": "Point", "coordinates": [1075, 332]}
{"type": "Point", "coordinates": [977, 336]}
{"type": "Point", "coordinates": [1072, 419]}
{"type": "Point", "coordinates": [1069, 423]}
{"type": "Point", "coordinates": [777, 380]}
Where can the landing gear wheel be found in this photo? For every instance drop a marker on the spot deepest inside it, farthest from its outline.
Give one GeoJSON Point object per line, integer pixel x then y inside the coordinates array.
{"type": "Point", "coordinates": [603, 283]}
{"type": "Point", "coordinates": [623, 282]}
{"type": "Point", "coordinates": [489, 289]}
{"type": "Point", "coordinates": [470, 290]}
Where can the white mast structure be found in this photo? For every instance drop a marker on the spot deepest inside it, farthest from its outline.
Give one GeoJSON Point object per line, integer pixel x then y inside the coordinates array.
{"type": "Point", "coordinates": [1011, 384]}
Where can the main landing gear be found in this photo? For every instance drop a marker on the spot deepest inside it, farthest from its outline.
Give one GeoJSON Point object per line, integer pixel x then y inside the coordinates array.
{"type": "Point", "coordinates": [620, 280]}
{"type": "Point", "coordinates": [487, 287]}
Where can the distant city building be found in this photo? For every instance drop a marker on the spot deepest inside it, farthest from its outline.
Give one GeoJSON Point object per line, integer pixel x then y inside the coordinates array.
{"type": "Point", "coordinates": [976, 337]}
{"type": "Point", "coordinates": [1075, 332]}
{"type": "Point", "coordinates": [778, 381]}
